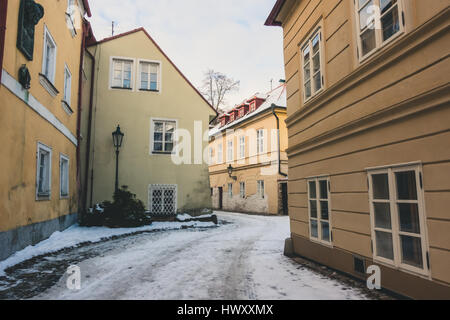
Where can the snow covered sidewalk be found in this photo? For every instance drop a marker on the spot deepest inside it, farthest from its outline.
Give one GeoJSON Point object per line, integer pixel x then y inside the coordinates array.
{"type": "Point", "coordinates": [76, 235]}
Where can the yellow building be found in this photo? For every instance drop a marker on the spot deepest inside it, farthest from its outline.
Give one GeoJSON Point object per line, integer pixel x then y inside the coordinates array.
{"type": "Point", "coordinates": [40, 59]}
{"type": "Point", "coordinates": [369, 131]}
{"type": "Point", "coordinates": [136, 86]}
{"type": "Point", "coordinates": [247, 156]}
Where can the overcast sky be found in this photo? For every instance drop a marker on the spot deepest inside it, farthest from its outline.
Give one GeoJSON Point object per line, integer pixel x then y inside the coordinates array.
{"type": "Point", "coordinates": [225, 35]}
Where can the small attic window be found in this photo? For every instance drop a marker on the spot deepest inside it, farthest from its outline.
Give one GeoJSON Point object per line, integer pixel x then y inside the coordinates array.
{"type": "Point", "coordinates": [253, 106]}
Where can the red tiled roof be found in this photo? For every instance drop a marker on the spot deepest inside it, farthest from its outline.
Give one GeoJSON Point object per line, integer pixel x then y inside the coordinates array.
{"type": "Point", "coordinates": [159, 48]}
{"type": "Point", "coordinates": [274, 13]}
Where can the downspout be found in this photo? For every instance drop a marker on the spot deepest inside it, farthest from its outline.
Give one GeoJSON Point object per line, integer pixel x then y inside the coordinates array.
{"type": "Point", "coordinates": [279, 143]}
{"type": "Point", "coordinates": [3, 14]}
{"type": "Point", "coordinates": [80, 86]}
{"type": "Point", "coordinates": [88, 144]}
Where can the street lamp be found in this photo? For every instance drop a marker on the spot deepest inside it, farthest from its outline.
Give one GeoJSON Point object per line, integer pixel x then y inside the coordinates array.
{"type": "Point", "coordinates": [230, 172]}
{"type": "Point", "coordinates": [117, 139]}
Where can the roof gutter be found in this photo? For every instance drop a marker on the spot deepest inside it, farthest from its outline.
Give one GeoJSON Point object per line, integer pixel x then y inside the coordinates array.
{"type": "Point", "coordinates": [3, 14]}
{"type": "Point", "coordinates": [279, 143]}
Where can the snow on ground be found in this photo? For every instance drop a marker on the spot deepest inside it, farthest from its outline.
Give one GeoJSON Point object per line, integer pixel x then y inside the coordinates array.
{"type": "Point", "coordinates": [76, 235]}
{"type": "Point", "coordinates": [240, 260]}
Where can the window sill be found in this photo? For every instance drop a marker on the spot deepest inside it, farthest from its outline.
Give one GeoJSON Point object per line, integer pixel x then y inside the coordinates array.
{"type": "Point", "coordinates": [162, 153]}
{"type": "Point", "coordinates": [121, 88]}
{"type": "Point", "coordinates": [64, 197]}
{"type": "Point", "coordinates": [66, 107]}
{"type": "Point", "coordinates": [48, 85]}
{"type": "Point", "coordinates": [43, 197]}
{"type": "Point", "coordinates": [148, 90]}
{"type": "Point", "coordinates": [323, 243]}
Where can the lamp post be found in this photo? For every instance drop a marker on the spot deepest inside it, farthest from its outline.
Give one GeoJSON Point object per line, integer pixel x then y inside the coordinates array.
{"type": "Point", "coordinates": [230, 172]}
{"type": "Point", "coordinates": [117, 139]}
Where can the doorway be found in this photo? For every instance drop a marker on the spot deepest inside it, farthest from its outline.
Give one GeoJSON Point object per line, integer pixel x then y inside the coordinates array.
{"type": "Point", "coordinates": [284, 198]}
{"type": "Point", "coordinates": [220, 198]}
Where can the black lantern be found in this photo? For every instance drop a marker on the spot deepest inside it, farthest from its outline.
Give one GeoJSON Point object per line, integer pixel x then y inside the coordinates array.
{"type": "Point", "coordinates": [230, 172]}
{"type": "Point", "coordinates": [117, 140]}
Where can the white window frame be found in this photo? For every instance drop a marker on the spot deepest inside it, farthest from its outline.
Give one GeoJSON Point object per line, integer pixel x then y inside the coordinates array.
{"type": "Point", "coordinates": [52, 64]}
{"type": "Point", "coordinates": [211, 155]}
{"type": "Point", "coordinates": [242, 147]}
{"type": "Point", "coordinates": [260, 141]}
{"type": "Point", "coordinates": [70, 15]}
{"type": "Point", "coordinates": [242, 190]}
{"type": "Point", "coordinates": [111, 73]}
{"type": "Point", "coordinates": [47, 195]}
{"type": "Point", "coordinates": [152, 136]}
{"type": "Point", "coordinates": [261, 189]}
{"type": "Point", "coordinates": [309, 44]}
{"type": "Point", "coordinates": [162, 187]}
{"type": "Point", "coordinates": [67, 87]}
{"type": "Point", "coordinates": [220, 153]}
{"type": "Point", "coordinates": [64, 180]}
{"type": "Point", "coordinates": [395, 227]}
{"type": "Point", "coordinates": [379, 42]}
{"type": "Point", "coordinates": [159, 80]}
{"type": "Point", "coordinates": [230, 149]}
{"type": "Point", "coordinates": [230, 190]}
{"type": "Point", "coordinates": [318, 200]}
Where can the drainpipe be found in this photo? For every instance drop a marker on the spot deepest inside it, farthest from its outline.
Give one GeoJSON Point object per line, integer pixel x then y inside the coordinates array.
{"type": "Point", "coordinates": [88, 143]}
{"type": "Point", "coordinates": [279, 144]}
{"type": "Point", "coordinates": [79, 107]}
{"type": "Point", "coordinates": [3, 14]}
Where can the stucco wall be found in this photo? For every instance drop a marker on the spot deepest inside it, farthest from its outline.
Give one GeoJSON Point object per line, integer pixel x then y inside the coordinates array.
{"type": "Point", "coordinates": [22, 128]}
{"type": "Point", "coordinates": [391, 108]}
{"type": "Point", "coordinates": [133, 110]}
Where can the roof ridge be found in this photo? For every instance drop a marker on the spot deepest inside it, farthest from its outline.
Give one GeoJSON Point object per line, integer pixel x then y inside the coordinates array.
{"type": "Point", "coordinates": [163, 53]}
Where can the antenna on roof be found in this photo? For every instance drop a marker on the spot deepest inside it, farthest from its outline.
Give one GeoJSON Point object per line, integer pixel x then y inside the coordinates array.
{"type": "Point", "coordinates": [112, 29]}
{"type": "Point", "coordinates": [271, 84]}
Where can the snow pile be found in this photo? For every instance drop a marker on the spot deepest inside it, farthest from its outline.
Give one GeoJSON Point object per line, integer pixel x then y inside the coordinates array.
{"type": "Point", "coordinates": [183, 217]}
{"type": "Point", "coordinates": [77, 235]}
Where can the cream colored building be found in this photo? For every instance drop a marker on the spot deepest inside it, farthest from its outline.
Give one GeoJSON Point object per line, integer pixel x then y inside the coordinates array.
{"type": "Point", "coordinates": [369, 130]}
{"type": "Point", "coordinates": [136, 86]}
{"type": "Point", "coordinates": [39, 105]}
{"type": "Point", "coordinates": [248, 163]}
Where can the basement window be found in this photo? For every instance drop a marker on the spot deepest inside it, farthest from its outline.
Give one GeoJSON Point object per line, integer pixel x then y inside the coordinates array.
{"type": "Point", "coordinates": [230, 190]}
{"type": "Point", "coordinates": [359, 265]}
{"type": "Point", "coordinates": [163, 199]}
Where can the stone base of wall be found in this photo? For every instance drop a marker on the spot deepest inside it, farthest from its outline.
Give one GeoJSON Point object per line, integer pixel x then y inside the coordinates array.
{"type": "Point", "coordinates": [397, 281]}
{"type": "Point", "coordinates": [22, 237]}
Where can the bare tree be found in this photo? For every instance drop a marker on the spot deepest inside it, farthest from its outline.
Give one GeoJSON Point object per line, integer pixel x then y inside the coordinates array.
{"type": "Point", "coordinates": [216, 86]}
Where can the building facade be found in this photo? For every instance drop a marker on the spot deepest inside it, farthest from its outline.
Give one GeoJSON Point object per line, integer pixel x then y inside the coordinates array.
{"type": "Point", "coordinates": [135, 85]}
{"type": "Point", "coordinates": [369, 129]}
{"type": "Point", "coordinates": [248, 163]}
{"type": "Point", "coordinates": [40, 47]}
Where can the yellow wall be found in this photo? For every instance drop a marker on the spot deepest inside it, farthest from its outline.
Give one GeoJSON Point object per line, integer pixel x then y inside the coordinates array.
{"type": "Point", "coordinates": [133, 111]}
{"type": "Point", "coordinates": [21, 128]}
{"type": "Point", "coordinates": [252, 168]}
{"type": "Point", "coordinates": [391, 107]}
